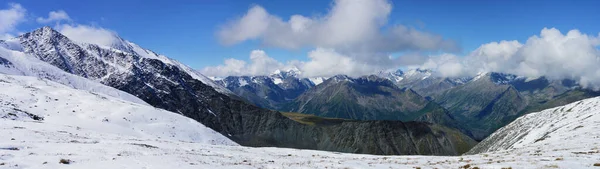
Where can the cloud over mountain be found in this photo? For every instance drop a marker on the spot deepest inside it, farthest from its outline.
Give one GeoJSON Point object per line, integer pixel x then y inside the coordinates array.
{"type": "Point", "coordinates": [573, 55]}
{"type": "Point", "coordinates": [350, 25]}
{"type": "Point", "coordinates": [88, 34]}
{"type": "Point", "coordinates": [353, 38]}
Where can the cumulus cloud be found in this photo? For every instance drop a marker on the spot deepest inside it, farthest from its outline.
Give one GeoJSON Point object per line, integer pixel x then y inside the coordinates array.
{"type": "Point", "coordinates": [260, 64]}
{"type": "Point", "coordinates": [54, 16]}
{"type": "Point", "coordinates": [328, 62]}
{"type": "Point", "coordinates": [551, 54]}
{"type": "Point", "coordinates": [349, 25]}
{"type": "Point", "coordinates": [446, 65]}
{"type": "Point", "coordinates": [322, 63]}
{"type": "Point", "coordinates": [353, 37]}
{"type": "Point", "coordinates": [89, 34]}
{"type": "Point", "coordinates": [11, 17]}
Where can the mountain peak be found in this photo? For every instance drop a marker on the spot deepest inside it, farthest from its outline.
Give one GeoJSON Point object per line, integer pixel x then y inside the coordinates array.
{"type": "Point", "coordinates": [340, 78]}
{"type": "Point", "coordinates": [44, 28]}
{"type": "Point", "coordinates": [45, 31]}
{"type": "Point", "coordinates": [283, 74]}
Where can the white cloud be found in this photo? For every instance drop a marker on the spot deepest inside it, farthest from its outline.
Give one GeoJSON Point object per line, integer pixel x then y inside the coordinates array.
{"type": "Point", "coordinates": [53, 16]}
{"type": "Point", "coordinates": [552, 54]}
{"type": "Point", "coordinates": [555, 55]}
{"type": "Point", "coordinates": [328, 62]}
{"type": "Point", "coordinates": [322, 63]}
{"type": "Point", "coordinates": [352, 38]}
{"type": "Point", "coordinates": [446, 65]}
{"type": "Point", "coordinates": [250, 26]}
{"type": "Point", "coordinates": [495, 56]}
{"type": "Point", "coordinates": [349, 26]}
{"type": "Point", "coordinates": [260, 64]}
{"type": "Point", "coordinates": [89, 34]}
{"type": "Point", "coordinates": [11, 17]}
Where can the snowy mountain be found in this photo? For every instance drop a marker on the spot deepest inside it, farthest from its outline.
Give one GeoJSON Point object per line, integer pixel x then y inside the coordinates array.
{"type": "Point", "coordinates": [268, 91]}
{"type": "Point", "coordinates": [114, 62]}
{"type": "Point", "coordinates": [423, 81]}
{"type": "Point", "coordinates": [19, 63]}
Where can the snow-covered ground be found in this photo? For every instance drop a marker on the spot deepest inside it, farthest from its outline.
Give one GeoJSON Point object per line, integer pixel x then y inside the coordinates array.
{"type": "Point", "coordinates": [93, 130]}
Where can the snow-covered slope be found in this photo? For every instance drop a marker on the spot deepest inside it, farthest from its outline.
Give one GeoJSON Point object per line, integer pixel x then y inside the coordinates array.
{"type": "Point", "coordinates": [574, 127]}
{"type": "Point", "coordinates": [20, 63]}
{"type": "Point", "coordinates": [97, 62]}
{"type": "Point", "coordinates": [29, 99]}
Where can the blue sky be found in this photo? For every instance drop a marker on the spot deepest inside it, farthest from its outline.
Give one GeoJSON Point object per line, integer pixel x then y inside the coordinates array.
{"type": "Point", "coordinates": [185, 30]}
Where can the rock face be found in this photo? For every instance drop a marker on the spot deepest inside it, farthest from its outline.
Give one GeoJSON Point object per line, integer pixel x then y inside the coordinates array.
{"type": "Point", "coordinates": [569, 126]}
{"type": "Point", "coordinates": [167, 84]}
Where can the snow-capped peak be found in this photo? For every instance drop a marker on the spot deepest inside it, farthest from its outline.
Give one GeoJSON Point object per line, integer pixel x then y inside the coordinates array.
{"type": "Point", "coordinates": [393, 75]}
{"type": "Point", "coordinates": [43, 42]}
{"type": "Point", "coordinates": [418, 73]}
{"type": "Point", "coordinates": [340, 78]}
{"type": "Point", "coordinates": [279, 75]}
{"type": "Point", "coordinates": [291, 72]}
{"type": "Point", "coordinates": [479, 76]}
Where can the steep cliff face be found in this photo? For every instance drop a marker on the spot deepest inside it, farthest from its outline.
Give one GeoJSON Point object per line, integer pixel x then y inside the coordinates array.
{"type": "Point", "coordinates": [170, 85]}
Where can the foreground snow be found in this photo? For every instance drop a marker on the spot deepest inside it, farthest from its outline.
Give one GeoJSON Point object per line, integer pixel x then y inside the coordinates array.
{"type": "Point", "coordinates": [97, 131]}
{"type": "Point", "coordinates": [43, 145]}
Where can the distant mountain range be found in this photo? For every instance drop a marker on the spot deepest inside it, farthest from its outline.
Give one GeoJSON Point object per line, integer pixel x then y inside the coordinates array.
{"type": "Point", "coordinates": [269, 91]}
{"type": "Point", "coordinates": [476, 105]}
